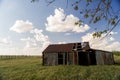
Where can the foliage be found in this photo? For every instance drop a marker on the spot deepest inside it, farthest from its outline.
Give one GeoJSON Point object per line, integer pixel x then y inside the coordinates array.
{"type": "Point", "coordinates": [95, 11]}
{"type": "Point", "coordinates": [117, 53]}
{"type": "Point", "coordinates": [99, 34]}
{"type": "Point", "coordinates": [117, 57]}
{"type": "Point", "coordinates": [30, 68]}
{"type": "Point", "coordinates": [102, 10]}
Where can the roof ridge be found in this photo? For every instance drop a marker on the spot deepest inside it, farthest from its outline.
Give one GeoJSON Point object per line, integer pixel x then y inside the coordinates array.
{"type": "Point", "coordinates": [67, 43]}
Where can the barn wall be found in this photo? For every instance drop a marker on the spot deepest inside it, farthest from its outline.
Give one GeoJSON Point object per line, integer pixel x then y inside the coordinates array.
{"type": "Point", "coordinates": [50, 59]}
{"type": "Point", "coordinates": [99, 58]}
{"type": "Point", "coordinates": [68, 58]}
{"type": "Point", "coordinates": [71, 58]}
{"type": "Point", "coordinates": [104, 57]}
{"type": "Point", "coordinates": [108, 58]}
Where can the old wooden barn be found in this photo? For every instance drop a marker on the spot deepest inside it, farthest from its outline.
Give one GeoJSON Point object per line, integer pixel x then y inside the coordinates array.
{"type": "Point", "coordinates": [75, 54]}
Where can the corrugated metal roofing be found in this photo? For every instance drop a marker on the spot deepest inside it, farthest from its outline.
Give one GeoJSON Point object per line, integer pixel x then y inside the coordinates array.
{"type": "Point", "coordinates": [55, 48]}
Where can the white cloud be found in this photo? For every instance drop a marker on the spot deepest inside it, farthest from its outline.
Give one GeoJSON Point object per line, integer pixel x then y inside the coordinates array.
{"type": "Point", "coordinates": [59, 22]}
{"type": "Point", "coordinates": [41, 38]}
{"type": "Point", "coordinates": [61, 42]}
{"type": "Point", "coordinates": [112, 33]}
{"type": "Point", "coordinates": [67, 34]}
{"type": "Point", "coordinates": [20, 51]}
{"type": "Point", "coordinates": [30, 42]}
{"type": "Point", "coordinates": [108, 43]}
{"type": "Point", "coordinates": [112, 39]}
{"type": "Point", "coordinates": [5, 41]}
{"type": "Point", "coordinates": [33, 44]}
{"type": "Point", "coordinates": [32, 51]}
{"type": "Point", "coordinates": [21, 26]}
{"type": "Point", "coordinates": [37, 43]}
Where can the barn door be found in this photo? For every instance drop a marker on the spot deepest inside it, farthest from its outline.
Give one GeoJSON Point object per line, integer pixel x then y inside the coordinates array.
{"type": "Point", "coordinates": [83, 58]}
{"type": "Point", "coordinates": [60, 58]}
{"type": "Point", "coordinates": [92, 57]}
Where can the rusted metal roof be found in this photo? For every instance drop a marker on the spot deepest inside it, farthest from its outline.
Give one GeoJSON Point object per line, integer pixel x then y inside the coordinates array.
{"type": "Point", "coordinates": [55, 48]}
{"type": "Point", "coordinates": [69, 47]}
{"type": "Point", "coordinates": [100, 50]}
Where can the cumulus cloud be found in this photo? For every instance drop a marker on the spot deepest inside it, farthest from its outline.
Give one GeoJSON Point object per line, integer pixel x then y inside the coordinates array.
{"type": "Point", "coordinates": [37, 43]}
{"type": "Point", "coordinates": [108, 43]}
{"type": "Point", "coordinates": [30, 42]}
{"type": "Point", "coordinates": [5, 41]}
{"type": "Point", "coordinates": [41, 38]}
{"type": "Point", "coordinates": [59, 22]}
{"type": "Point", "coordinates": [21, 26]}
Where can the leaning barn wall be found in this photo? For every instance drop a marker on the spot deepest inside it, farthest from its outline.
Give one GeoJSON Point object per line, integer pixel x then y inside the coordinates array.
{"type": "Point", "coordinates": [99, 58]}
{"type": "Point", "coordinates": [108, 58]}
{"type": "Point", "coordinates": [104, 57]}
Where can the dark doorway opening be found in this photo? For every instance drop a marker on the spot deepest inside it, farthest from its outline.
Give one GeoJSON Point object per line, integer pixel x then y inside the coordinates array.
{"type": "Point", "coordinates": [92, 57]}
{"type": "Point", "coordinates": [83, 58]}
{"type": "Point", "coordinates": [65, 58]}
{"type": "Point", "coordinates": [60, 58]}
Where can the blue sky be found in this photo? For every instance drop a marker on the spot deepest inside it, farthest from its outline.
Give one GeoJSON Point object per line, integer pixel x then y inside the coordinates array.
{"type": "Point", "coordinates": [27, 28]}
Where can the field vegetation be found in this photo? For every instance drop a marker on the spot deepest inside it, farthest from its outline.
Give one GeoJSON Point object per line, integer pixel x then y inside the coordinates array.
{"type": "Point", "coordinates": [30, 68]}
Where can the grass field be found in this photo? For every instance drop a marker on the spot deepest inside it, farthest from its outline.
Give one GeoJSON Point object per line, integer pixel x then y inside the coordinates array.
{"type": "Point", "coordinates": [30, 68]}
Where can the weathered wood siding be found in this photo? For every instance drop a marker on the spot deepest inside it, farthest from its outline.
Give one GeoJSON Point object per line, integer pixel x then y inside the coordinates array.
{"type": "Point", "coordinates": [101, 58]}
{"type": "Point", "coordinates": [50, 59]}
{"type": "Point", "coordinates": [104, 57]}
{"type": "Point", "coordinates": [70, 58]}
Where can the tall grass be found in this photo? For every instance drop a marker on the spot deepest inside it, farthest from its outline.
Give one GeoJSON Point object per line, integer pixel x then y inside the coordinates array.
{"type": "Point", "coordinates": [117, 53]}
{"type": "Point", "coordinates": [30, 68]}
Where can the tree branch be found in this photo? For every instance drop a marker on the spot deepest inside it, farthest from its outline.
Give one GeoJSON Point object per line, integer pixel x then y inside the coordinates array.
{"type": "Point", "coordinates": [111, 29]}
{"type": "Point", "coordinates": [49, 2]}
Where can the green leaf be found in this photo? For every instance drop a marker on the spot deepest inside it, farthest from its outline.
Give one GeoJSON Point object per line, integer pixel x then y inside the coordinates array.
{"type": "Point", "coordinates": [113, 22]}
{"type": "Point", "coordinates": [76, 7]}
{"type": "Point", "coordinates": [86, 15]}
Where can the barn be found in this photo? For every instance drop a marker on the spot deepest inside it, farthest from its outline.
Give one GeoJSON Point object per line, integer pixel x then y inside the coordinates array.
{"type": "Point", "coordinates": [78, 53]}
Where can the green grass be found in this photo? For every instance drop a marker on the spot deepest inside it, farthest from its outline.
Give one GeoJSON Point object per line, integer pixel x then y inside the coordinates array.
{"type": "Point", "coordinates": [117, 53]}
{"type": "Point", "coordinates": [30, 68]}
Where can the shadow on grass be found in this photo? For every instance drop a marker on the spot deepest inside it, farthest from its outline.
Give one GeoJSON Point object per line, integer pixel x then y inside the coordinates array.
{"type": "Point", "coordinates": [1, 77]}
{"type": "Point", "coordinates": [117, 63]}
